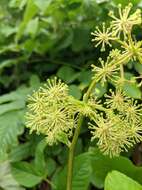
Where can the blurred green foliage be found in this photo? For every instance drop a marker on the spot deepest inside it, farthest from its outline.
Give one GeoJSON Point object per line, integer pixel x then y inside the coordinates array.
{"type": "Point", "coordinates": [39, 39]}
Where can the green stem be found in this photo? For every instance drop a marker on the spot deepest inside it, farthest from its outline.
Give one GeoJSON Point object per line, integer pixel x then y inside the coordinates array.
{"type": "Point", "coordinates": [139, 58]}
{"type": "Point", "coordinates": [49, 182]}
{"type": "Point", "coordinates": [122, 71]}
{"type": "Point", "coordinates": [75, 138]}
{"type": "Point", "coordinates": [71, 153]}
{"type": "Point", "coordinates": [122, 60]}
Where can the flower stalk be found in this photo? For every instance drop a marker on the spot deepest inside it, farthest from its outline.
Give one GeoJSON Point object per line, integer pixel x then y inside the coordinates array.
{"type": "Point", "coordinates": [75, 138]}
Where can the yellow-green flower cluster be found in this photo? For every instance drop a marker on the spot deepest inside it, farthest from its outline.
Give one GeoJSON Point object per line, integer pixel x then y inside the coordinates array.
{"type": "Point", "coordinates": [54, 113]}
{"type": "Point", "coordinates": [116, 100]}
{"type": "Point", "coordinates": [103, 36]}
{"type": "Point", "coordinates": [129, 108]}
{"type": "Point", "coordinates": [48, 114]}
{"type": "Point", "coordinates": [117, 122]}
{"type": "Point", "coordinates": [133, 49]}
{"type": "Point", "coordinates": [119, 127]}
{"type": "Point", "coordinates": [112, 135]}
{"type": "Point", "coordinates": [121, 24]}
{"type": "Point", "coordinates": [104, 72]}
{"type": "Point", "coordinates": [125, 21]}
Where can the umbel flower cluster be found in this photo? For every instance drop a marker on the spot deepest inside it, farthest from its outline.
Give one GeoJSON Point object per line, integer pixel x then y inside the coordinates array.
{"type": "Point", "coordinates": [119, 126]}
{"type": "Point", "coordinates": [48, 114]}
{"type": "Point", "coordinates": [53, 112]}
{"type": "Point", "coordinates": [116, 121]}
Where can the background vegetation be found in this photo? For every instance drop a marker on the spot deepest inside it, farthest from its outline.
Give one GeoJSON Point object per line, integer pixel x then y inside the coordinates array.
{"type": "Point", "coordinates": [40, 39]}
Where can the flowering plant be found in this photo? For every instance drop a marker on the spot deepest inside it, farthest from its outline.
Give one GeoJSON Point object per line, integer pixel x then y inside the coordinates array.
{"type": "Point", "coordinates": [116, 122]}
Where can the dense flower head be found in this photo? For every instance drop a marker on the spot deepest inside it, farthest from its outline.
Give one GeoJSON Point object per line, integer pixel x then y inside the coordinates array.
{"type": "Point", "coordinates": [102, 37]}
{"type": "Point", "coordinates": [127, 107]}
{"type": "Point", "coordinates": [119, 126]}
{"type": "Point", "coordinates": [114, 54]}
{"type": "Point", "coordinates": [133, 111]}
{"type": "Point", "coordinates": [54, 113]}
{"type": "Point", "coordinates": [125, 21]}
{"type": "Point", "coordinates": [104, 72]}
{"type": "Point", "coordinates": [115, 134]}
{"type": "Point", "coordinates": [121, 24]}
{"type": "Point", "coordinates": [133, 49]}
{"type": "Point", "coordinates": [116, 100]}
{"type": "Point", "coordinates": [111, 134]}
{"type": "Point", "coordinates": [48, 114]}
{"type": "Point", "coordinates": [116, 122]}
{"type": "Point", "coordinates": [55, 90]}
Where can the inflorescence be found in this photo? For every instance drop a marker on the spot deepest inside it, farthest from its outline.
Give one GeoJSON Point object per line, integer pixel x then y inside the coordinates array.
{"type": "Point", "coordinates": [51, 111]}
{"type": "Point", "coordinates": [117, 121]}
{"type": "Point", "coordinates": [119, 127]}
{"type": "Point", "coordinates": [48, 114]}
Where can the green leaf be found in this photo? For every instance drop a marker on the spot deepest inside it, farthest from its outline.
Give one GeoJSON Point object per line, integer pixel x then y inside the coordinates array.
{"type": "Point", "coordinates": [20, 152]}
{"type": "Point", "coordinates": [81, 39]}
{"type": "Point", "coordinates": [63, 156]}
{"type": "Point", "coordinates": [67, 74]}
{"type": "Point", "coordinates": [7, 63]}
{"type": "Point", "coordinates": [25, 174]}
{"type": "Point", "coordinates": [81, 174]}
{"type": "Point", "coordinates": [16, 100]}
{"type": "Point", "coordinates": [30, 12]}
{"type": "Point", "coordinates": [85, 77]}
{"type": "Point", "coordinates": [34, 81]}
{"type": "Point", "coordinates": [101, 165]}
{"type": "Point", "coordinates": [75, 91]}
{"type": "Point", "coordinates": [39, 161]}
{"type": "Point", "coordinates": [15, 105]}
{"type": "Point", "coordinates": [132, 90]}
{"type": "Point", "coordinates": [138, 67]}
{"type": "Point", "coordinates": [100, 90]}
{"type": "Point", "coordinates": [11, 125]}
{"type": "Point", "coordinates": [43, 4]}
{"type": "Point", "coordinates": [8, 30]}
{"type": "Point", "coordinates": [32, 27]}
{"type": "Point", "coordinates": [51, 166]}
{"type": "Point", "coordinates": [131, 86]}
{"type": "Point", "coordinates": [63, 137]}
{"type": "Point", "coordinates": [19, 95]}
{"type": "Point", "coordinates": [17, 3]}
{"type": "Point", "coordinates": [13, 101]}
{"type": "Point", "coordinates": [116, 181]}
{"type": "Point", "coordinates": [7, 182]}
{"type": "Point", "coordinates": [65, 41]}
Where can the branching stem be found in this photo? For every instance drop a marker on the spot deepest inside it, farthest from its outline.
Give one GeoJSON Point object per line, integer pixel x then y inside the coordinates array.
{"type": "Point", "coordinates": [75, 138]}
{"type": "Point", "coordinates": [122, 71]}
{"type": "Point", "coordinates": [122, 60]}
